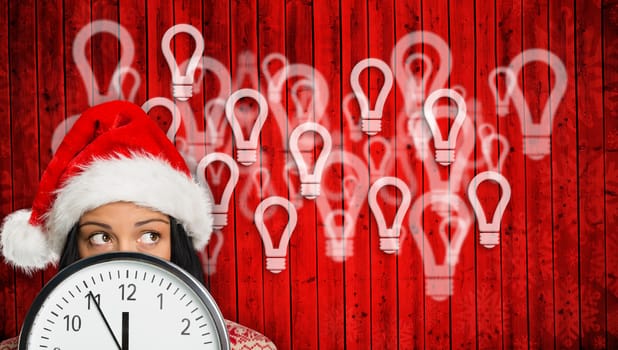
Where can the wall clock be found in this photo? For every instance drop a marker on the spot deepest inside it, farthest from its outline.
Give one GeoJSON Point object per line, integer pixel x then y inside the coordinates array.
{"type": "Point", "coordinates": [124, 301]}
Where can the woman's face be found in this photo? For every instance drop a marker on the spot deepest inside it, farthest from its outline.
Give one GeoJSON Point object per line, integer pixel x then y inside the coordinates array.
{"type": "Point", "coordinates": [124, 227]}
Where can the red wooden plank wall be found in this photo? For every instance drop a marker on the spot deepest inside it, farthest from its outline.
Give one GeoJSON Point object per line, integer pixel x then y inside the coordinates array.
{"type": "Point", "coordinates": [550, 283]}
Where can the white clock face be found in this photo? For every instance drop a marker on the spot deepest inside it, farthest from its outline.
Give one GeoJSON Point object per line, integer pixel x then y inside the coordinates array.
{"type": "Point", "coordinates": [125, 303]}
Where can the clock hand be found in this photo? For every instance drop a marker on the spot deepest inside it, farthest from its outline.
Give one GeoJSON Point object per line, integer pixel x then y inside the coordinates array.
{"type": "Point", "coordinates": [105, 319]}
{"type": "Point", "coordinates": [125, 331]}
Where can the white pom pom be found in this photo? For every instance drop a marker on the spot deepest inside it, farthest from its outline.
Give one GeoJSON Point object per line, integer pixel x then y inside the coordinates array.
{"type": "Point", "coordinates": [24, 245]}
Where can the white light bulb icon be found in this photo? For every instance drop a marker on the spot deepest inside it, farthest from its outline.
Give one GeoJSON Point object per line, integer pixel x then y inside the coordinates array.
{"type": "Point", "coordinates": [389, 236]}
{"type": "Point", "coordinates": [488, 135]}
{"type": "Point", "coordinates": [246, 148]}
{"type": "Point", "coordinates": [536, 135]}
{"type": "Point", "coordinates": [439, 276]}
{"type": "Point", "coordinates": [310, 181]}
{"type": "Point", "coordinates": [118, 78]}
{"type": "Point", "coordinates": [274, 86]}
{"type": "Point", "coordinates": [510, 80]}
{"type": "Point", "coordinates": [490, 230]}
{"type": "Point", "coordinates": [209, 263]}
{"type": "Point", "coordinates": [83, 66]}
{"type": "Point", "coordinates": [371, 119]}
{"type": "Point", "coordinates": [354, 128]}
{"type": "Point", "coordinates": [275, 257]}
{"type": "Point", "coordinates": [220, 209]}
{"type": "Point", "coordinates": [171, 107]}
{"type": "Point", "coordinates": [420, 133]}
{"type": "Point", "coordinates": [415, 88]}
{"type": "Point", "coordinates": [445, 149]}
{"type": "Point", "coordinates": [182, 84]}
{"type": "Point", "coordinates": [339, 243]}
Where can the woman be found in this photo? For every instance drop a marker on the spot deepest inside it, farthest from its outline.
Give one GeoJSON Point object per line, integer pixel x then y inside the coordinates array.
{"type": "Point", "coordinates": [116, 183]}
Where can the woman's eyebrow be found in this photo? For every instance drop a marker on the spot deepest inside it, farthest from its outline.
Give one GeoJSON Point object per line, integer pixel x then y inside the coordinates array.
{"type": "Point", "coordinates": [141, 223]}
{"type": "Point", "coordinates": [105, 226]}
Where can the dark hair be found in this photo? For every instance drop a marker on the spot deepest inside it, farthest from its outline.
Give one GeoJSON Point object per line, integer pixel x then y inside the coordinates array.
{"type": "Point", "coordinates": [183, 253]}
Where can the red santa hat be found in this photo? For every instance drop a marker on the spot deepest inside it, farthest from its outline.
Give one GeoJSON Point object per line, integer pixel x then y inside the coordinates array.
{"type": "Point", "coordinates": [113, 153]}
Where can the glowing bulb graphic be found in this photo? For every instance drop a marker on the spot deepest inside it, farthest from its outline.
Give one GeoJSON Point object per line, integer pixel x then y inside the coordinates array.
{"type": "Point", "coordinates": [170, 106]}
{"type": "Point", "coordinates": [488, 135]}
{"type": "Point", "coordinates": [354, 128]}
{"type": "Point", "coordinates": [246, 148]}
{"type": "Point", "coordinates": [274, 86]}
{"type": "Point", "coordinates": [445, 149]}
{"type": "Point", "coordinates": [209, 263]}
{"type": "Point", "coordinates": [510, 80]}
{"type": "Point", "coordinates": [339, 243]}
{"type": "Point", "coordinates": [83, 66]}
{"type": "Point", "coordinates": [182, 84]}
{"type": "Point", "coordinates": [219, 210]}
{"type": "Point", "coordinates": [118, 78]}
{"type": "Point", "coordinates": [439, 275]}
{"type": "Point", "coordinates": [371, 119]}
{"type": "Point", "coordinates": [490, 230]}
{"type": "Point", "coordinates": [415, 88]}
{"type": "Point", "coordinates": [389, 236]}
{"type": "Point", "coordinates": [420, 133]}
{"type": "Point", "coordinates": [275, 257]}
{"type": "Point", "coordinates": [310, 181]}
{"type": "Point", "coordinates": [536, 135]}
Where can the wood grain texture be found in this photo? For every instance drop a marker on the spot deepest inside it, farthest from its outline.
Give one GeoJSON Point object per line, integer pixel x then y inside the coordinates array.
{"type": "Point", "coordinates": [550, 283]}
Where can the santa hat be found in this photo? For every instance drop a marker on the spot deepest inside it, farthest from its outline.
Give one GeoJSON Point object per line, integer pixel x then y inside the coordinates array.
{"type": "Point", "coordinates": [113, 153]}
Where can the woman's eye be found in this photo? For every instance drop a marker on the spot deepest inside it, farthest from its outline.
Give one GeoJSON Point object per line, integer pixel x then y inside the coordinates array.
{"type": "Point", "coordinates": [100, 238]}
{"type": "Point", "coordinates": [150, 237]}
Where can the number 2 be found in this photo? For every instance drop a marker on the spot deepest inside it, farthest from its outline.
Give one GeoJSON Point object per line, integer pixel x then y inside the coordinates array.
{"type": "Point", "coordinates": [185, 331]}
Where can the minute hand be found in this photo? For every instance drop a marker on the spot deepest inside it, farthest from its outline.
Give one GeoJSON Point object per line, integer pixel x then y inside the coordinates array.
{"type": "Point", "coordinates": [94, 300]}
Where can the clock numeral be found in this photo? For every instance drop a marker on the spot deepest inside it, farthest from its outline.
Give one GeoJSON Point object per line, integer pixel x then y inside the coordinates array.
{"type": "Point", "coordinates": [130, 291]}
{"type": "Point", "coordinates": [74, 323]}
{"type": "Point", "coordinates": [160, 296]}
{"type": "Point", "coordinates": [97, 297]}
{"type": "Point", "coordinates": [188, 324]}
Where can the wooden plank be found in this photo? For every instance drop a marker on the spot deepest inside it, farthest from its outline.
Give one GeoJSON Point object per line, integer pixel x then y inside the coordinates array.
{"type": "Point", "coordinates": [223, 282]}
{"type": "Point", "coordinates": [105, 48]}
{"type": "Point", "coordinates": [132, 16]}
{"type": "Point", "coordinates": [383, 266]}
{"type": "Point", "coordinates": [159, 79]}
{"type": "Point", "coordinates": [50, 64]}
{"type": "Point", "coordinates": [411, 282]}
{"type": "Point", "coordinates": [536, 91]}
{"type": "Point", "coordinates": [610, 78]}
{"type": "Point", "coordinates": [463, 79]}
{"type": "Point", "coordinates": [287, 294]}
{"type": "Point", "coordinates": [354, 47]}
{"type": "Point", "coordinates": [249, 249]}
{"type": "Point", "coordinates": [24, 123]}
{"type": "Point", "coordinates": [592, 264]}
{"type": "Point", "coordinates": [9, 328]}
{"type": "Point", "coordinates": [513, 236]}
{"type": "Point", "coordinates": [564, 183]}
{"type": "Point", "coordinates": [488, 275]}
{"type": "Point", "coordinates": [435, 19]}
{"type": "Point", "coordinates": [330, 289]}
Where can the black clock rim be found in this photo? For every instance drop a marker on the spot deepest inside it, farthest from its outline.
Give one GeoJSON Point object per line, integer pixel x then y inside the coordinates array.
{"type": "Point", "coordinates": [168, 266]}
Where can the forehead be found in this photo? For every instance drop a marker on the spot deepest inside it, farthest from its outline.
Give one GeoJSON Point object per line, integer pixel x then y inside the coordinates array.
{"type": "Point", "coordinates": [119, 210]}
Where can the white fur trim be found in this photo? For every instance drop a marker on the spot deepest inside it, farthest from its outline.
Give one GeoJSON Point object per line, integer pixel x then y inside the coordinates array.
{"type": "Point", "coordinates": [142, 179]}
{"type": "Point", "coordinates": [24, 245]}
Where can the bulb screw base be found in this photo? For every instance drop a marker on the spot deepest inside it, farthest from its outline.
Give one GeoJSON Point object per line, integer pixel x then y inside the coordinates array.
{"type": "Point", "coordinates": [275, 264]}
{"type": "Point", "coordinates": [182, 92]}
{"type": "Point", "coordinates": [371, 126]}
{"type": "Point", "coordinates": [439, 288]}
{"type": "Point", "coordinates": [490, 239]}
{"type": "Point", "coordinates": [220, 220]}
{"type": "Point", "coordinates": [310, 190]}
{"type": "Point", "coordinates": [445, 156]}
{"type": "Point", "coordinates": [536, 147]}
{"type": "Point", "coordinates": [246, 157]}
{"type": "Point", "coordinates": [389, 245]}
{"type": "Point", "coordinates": [339, 250]}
